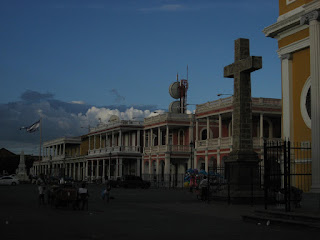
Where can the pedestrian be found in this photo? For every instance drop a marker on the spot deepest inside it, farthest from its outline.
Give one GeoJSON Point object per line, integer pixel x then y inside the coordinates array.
{"type": "Point", "coordinates": [204, 188]}
{"type": "Point", "coordinates": [83, 196]}
{"type": "Point", "coordinates": [41, 190]}
{"type": "Point", "coordinates": [106, 191]}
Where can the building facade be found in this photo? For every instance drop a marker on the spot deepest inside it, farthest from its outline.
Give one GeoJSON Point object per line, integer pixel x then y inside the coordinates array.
{"type": "Point", "coordinates": [160, 149]}
{"type": "Point", "coordinates": [297, 31]}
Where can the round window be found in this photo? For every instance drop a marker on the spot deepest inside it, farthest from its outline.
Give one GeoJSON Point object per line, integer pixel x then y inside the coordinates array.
{"type": "Point", "coordinates": [305, 103]}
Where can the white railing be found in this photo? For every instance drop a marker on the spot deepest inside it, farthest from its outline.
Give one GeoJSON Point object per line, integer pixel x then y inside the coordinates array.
{"type": "Point", "coordinates": [109, 125]}
{"type": "Point", "coordinates": [213, 142]}
{"type": "Point", "coordinates": [114, 149]}
{"type": "Point", "coordinates": [214, 104]}
{"type": "Point", "coordinates": [202, 143]}
{"type": "Point", "coordinates": [167, 148]}
{"type": "Point", "coordinates": [225, 142]}
{"type": "Point", "coordinates": [180, 148]}
{"type": "Point", "coordinates": [223, 102]}
{"type": "Point", "coordinates": [166, 117]}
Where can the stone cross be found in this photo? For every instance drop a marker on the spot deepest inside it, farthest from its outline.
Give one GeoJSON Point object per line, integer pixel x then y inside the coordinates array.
{"type": "Point", "coordinates": [240, 70]}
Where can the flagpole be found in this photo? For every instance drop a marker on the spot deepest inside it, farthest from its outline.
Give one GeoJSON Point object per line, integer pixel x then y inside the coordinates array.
{"type": "Point", "coordinates": [40, 139]}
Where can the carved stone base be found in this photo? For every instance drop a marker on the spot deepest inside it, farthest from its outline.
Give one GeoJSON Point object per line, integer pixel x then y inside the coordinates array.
{"type": "Point", "coordinates": [243, 176]}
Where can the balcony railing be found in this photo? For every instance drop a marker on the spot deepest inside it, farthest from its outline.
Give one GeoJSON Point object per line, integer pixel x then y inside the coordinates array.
{"type": "Point", "coordinates": [167, 148]}
{"type": "Point", "coordinates": [124, 149]}
{"type": "Point", "coordinates": [226, 142]}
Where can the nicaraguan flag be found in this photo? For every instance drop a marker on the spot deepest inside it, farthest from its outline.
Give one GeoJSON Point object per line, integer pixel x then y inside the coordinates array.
{"type": "Point", "coordinates": [34, 127]}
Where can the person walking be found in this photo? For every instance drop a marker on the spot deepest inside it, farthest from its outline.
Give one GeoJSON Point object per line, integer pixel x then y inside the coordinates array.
{"type": "Point", "coordinates": [106, 191]}
{"type": "Point", "coordinates": [204, 188]}
{"type": "Point", "coordinates": [41, 190]}
{"type": "Point", "coordinates": [83, 196]}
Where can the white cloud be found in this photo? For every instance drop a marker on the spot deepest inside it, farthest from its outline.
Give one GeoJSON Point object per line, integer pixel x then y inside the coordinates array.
{"type": "Point", "coordinates": [77, 102]}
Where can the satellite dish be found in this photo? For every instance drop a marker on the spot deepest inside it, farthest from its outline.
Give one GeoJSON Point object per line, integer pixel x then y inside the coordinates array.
{"type": "Point", "coordinates": [114, 118]}
{"type": "Point", "coordinates": [174, 107]}
{"type": "Point", "coordinates": [174, 90]}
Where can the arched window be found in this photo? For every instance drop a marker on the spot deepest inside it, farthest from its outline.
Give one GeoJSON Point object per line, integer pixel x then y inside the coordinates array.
{"type": "Point", "coordinates": [213, 163]}
{"type": "Point", "coordinates": [204, 134]}
{"type": "Point", "coordinates": [181, 137]}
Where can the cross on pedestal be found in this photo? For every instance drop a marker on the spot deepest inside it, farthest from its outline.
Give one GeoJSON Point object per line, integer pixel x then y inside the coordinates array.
{"type": "Point", "coordinates": [240, 70]}
{"type": "Point", "coordinates": [242, 162]}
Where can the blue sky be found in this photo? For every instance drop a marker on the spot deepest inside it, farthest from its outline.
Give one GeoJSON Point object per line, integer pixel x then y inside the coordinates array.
{"type": "Point", "coordinates": [123, 54]}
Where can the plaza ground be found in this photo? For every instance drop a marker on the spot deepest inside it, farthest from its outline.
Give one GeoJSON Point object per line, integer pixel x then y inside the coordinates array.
{"type": "Point", "coordinates": [132, 214]}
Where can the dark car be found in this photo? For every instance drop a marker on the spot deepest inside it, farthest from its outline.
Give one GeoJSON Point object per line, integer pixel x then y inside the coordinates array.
{"type": "Point", "coordinates": [131, 181]}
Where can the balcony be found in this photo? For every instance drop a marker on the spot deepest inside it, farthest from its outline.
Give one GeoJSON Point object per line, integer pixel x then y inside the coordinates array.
{"type": "Point", "coordinates": [167, 117]}
{"type": "Point", "coordinates": [115, 149]}
{"type": "Point", "coordinates": [226, 142]}
{"type": "Point", "coordinates": [116, 124]}
{"type": "Point", "coordinates": [167, 148]}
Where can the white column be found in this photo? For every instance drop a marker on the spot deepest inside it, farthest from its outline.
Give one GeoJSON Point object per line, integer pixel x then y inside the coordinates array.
{"type": "Point", "coordinates": [117, 167]}
{"type": "Point", "coordinates": [87, 168]}
{"type": "Point", "coordinates": [91, 169]}
{"type": "Point", "coordinates": [138, 141]}
{"type": "Point", "coordinates": [74, 171]}
{"type": "Point", "coordinates": [150, 165]}
{"type": "Point", "coordinates": [167, 135]}
{"type": "Point", "coordinates": [97, 168]}
{"type": "Point", "coordinates": [109, 168]}
{"type": "Point", "coordinates": [206, 160]}
{"type": "Point", "coordinates": [103, 169]}
{"type": "Point", "coordinates": [261, 129]}
{"type": "Point", "coordinates": [79, 171]}
{"type": "Point", "coordinates": [157, 166]}
{"type": "Point", "coordinates": [120, 167]}
{"type": "Point", "coordinates": [144, 138]}
{"type": "Point", "coordinates": [159, 136]}
{"type": "Point", "coordinates": [64, 149]}
{"type": "Point", "coordinates": [197, 132]}
{"type": "Point", "coordinates": [70, 169]}
{"type": "Point", "coordinates": [231, 132]}
{"type": "Point", "coordinates": [112, 140]}
{"type": "Point", "coordinates": [150, 138]}
{"type": "Point", "coordinates": [120, 138]}
{"type": "Point", "coordinates": [220, 126]}
{"type": "Point", "coordinates": [89, 143]}
{"type": "Point", "coordinates": [142, 166]}
{"type": "Point", "coordinates": [138, 167]}
{"type": "Point", "coordinates": [286, 76]}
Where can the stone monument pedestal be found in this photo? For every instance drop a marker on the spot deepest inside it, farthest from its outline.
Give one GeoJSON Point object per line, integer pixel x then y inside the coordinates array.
{"type": "Point", "coordinates": [21, 170]}
{"type": "Point", "coordinates": [243, 175]}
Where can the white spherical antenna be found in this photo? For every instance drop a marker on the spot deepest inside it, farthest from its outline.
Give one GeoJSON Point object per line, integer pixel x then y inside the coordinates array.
{"type": "Point", "coordinates": [114, 118]}
{"type": "Point", "coordinates": [174, 107]}
{"type": "Point", "coordinates": [174, 90]}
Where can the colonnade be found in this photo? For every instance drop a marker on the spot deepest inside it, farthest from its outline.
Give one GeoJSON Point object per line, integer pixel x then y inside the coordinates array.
{"type": "Point", "coordinates": [90, 169]}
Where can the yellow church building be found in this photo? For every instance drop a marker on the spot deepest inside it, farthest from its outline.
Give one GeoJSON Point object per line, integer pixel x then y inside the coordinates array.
{"type": "Point", "coordinates": [297, 31]}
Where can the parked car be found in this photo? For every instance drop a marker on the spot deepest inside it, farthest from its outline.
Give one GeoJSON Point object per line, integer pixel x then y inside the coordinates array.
{"type": "Point", "coordinates": [132, 181]}
{"type": "Point", "coordinates": [7, 180]}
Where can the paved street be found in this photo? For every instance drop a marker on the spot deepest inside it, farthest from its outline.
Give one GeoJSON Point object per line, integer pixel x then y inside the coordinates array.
{"type": "Point", "coordinates": [133, 214]}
